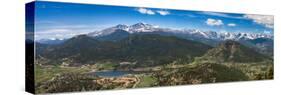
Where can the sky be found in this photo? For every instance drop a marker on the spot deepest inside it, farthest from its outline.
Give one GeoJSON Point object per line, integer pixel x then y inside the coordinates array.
{"type": "Point", "coordinates": [65, 20]}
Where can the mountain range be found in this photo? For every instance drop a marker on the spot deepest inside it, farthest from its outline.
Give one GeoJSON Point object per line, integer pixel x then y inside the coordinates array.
{"type": "Point", "coordinates": [261, 42]}
{"type": "Point", "coordinates": [212, 38]}
{"type": "Point", "coordinates": [184, 33]}
{"type": "Point", "coordinates": [150, 45]}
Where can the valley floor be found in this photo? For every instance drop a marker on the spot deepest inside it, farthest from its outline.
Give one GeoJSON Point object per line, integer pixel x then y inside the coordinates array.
{"type": "Point", "coordinates": [51, 79]}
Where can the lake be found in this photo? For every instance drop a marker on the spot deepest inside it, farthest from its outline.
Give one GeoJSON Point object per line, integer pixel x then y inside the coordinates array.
{"type": "Point", "coordinates": [111, 73]}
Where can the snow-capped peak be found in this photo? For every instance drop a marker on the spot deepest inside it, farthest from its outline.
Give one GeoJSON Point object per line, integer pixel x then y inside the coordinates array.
{"type": "Point", "coordinates": [138, 27]}
{"type": "Point", "coordinates": [122, 27]}
{"type": "Point", "coordinates": [141, 27]}
{"type": "Point", "coordinates": [144, 27]}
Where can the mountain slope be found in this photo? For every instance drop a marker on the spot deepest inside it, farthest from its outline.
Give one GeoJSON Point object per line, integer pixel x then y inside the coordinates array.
{"type": "Point", "coordinates": [80, 49]}
{"type": "Point", "coordinates": [115, 36]}
{"type": "Point", "coordinates": [164, 49]}
{"type": "Point", "coordinates": [145, 49]}
{"type": "Point", "coordinates": [231, 51]}
{"type": "Point", "coordinates": [263, 45]}
{"type": "Point", "coordinates": [200, 73]}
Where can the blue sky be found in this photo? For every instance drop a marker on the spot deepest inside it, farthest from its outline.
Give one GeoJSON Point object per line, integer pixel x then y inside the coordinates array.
{"type": "Point", "coordinates": [64, 20]}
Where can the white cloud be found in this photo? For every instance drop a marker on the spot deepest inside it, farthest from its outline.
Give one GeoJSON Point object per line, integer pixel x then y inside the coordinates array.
{"type": "Point", "coordinates": [231, 24]}
{"type": "Point", "coordinates": [60, 33]}
{"type": "Point", "coordinates": [221, 15]}
{"type": "Point", "coordinates": [266, 20]}
{"type": "Point", "coordinates": [146, 11]}
{"type": "Point", "coordinates": [162, 12]}
{"type": "Point", "coordinates": [52, 31]}
{"type": "Point", "coordinates": [214, 22]}
{"type": "Point", "coordinates": [153, 12]}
